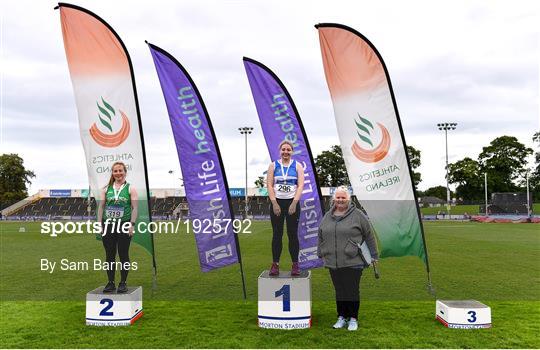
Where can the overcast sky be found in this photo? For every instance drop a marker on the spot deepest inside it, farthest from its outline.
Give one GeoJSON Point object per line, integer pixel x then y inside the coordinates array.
{"type": "Point", "coordinates": [475, 63]}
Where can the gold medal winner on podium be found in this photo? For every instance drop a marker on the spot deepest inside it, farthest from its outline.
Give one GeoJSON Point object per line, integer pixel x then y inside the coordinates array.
{"type": "Point", "coordinates": [285, 182]}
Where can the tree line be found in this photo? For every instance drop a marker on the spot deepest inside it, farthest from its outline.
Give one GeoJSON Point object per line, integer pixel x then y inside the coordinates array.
{"type": "Point", "coordinates": [504, 161]}
{"type": "Point", "coordinates": [14, 178]}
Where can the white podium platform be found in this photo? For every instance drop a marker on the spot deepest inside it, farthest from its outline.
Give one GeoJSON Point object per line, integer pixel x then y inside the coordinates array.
{"type": "Point", "coordinates": [113, 309]}
{"type": "Point", "coordinates": [463, 314]}
{"type": "Point", "coordinates": [284, 301]}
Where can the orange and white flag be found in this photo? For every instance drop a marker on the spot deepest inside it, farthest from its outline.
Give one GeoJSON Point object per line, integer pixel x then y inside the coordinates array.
{"type": "Point", "coordinates": [105, 95]}
{"type": "Point", "coordinates": [372, 139]}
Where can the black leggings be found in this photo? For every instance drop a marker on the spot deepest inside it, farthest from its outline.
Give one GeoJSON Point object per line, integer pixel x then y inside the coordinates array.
{"type": "Point", "coordinates": [346, 282]}
{"type": "Point", "coordinates": [113, 241]}
{"type": "Point", "coordinates": [292, 229]}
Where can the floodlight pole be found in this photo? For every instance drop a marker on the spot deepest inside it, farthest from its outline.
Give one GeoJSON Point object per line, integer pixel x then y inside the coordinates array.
{"type": "Point", "coordinates": [447, 185]}
{"type": "Point", "coordinates": [246, 131]}
{"type": "Point", "coordinates": [528, 201]}
{"type": "Point", "coordinates": [89, 203]}
{"type": "Point", "coordinates": [485, 191]}
{"type": "Point", "coordinates": [171, 172]}
{"type": "Point", "coordinates": [446, 127]}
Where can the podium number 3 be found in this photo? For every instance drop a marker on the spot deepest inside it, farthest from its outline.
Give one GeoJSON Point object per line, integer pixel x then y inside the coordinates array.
{"type": "Point", "coordinates": [286, 292]}
{"type": "Point", "coordinates": [473, 316]}
{"type": "Point", "coordinates": [105, 311]}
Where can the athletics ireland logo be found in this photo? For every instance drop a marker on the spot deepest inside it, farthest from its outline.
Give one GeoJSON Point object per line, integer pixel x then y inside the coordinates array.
{"type": "Point", "coordinates": [106, 115]}
{"type": "Point", "coordinates": [373, 153]}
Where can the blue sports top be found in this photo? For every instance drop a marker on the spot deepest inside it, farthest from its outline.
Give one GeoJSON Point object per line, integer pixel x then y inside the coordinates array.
{"type": "Point", "coordinates": [285, 179]}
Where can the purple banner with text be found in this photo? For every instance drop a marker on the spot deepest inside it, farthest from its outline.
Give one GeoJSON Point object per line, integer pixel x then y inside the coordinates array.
{"type": "Point", "coordinates": [202, 169]}
{"type": "Point", "coordinates": [280, 121]}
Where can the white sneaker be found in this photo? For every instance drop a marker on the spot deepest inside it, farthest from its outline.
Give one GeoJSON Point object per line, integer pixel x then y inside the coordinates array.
{"type": "Point", "coordinates": [340, 323]}
{"type": "Point", "coordinates": [353, 324]}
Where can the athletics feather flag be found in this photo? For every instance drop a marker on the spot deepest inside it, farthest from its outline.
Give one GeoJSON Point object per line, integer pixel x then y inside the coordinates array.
{"type": "Point", "coordinates": [280, 121]}
{"type": "Point", "coordinates": [204, 177]}
{"type": "Point", "coordinates": [372, 139]}
{"type": "Point", "coordinates": [105, 95]}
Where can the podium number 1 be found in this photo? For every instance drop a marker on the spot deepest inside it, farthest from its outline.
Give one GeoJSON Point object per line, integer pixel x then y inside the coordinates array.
{"type": "Point", "coordinates": [286, 292]}
{"type": "Point", "coordinates": [105, 311]}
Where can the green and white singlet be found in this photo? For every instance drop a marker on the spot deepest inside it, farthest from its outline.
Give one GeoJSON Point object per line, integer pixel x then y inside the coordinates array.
{"type": "Point", "coordinates": [118, 203]}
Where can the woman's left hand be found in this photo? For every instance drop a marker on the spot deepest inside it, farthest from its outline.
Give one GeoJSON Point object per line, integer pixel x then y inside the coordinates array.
{"type": "Point", "coordinates": [131, 230]}
{"type": "Point", "coordinates": [292, 208]}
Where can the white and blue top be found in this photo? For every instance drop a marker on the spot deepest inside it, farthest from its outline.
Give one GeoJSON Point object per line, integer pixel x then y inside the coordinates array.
{"type": "Point", "coordinates": [285, 179]}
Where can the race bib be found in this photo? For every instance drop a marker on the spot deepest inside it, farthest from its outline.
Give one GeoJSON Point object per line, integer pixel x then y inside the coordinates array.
{"type": "Point", "coordinates": [285, 188]}
{"type": "Point", "coordinates": [114, 212]}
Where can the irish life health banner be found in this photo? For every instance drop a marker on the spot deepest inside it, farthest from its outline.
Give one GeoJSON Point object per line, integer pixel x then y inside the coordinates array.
{"type": "Point", "coordinates": [202, 170]}
{"type": "Point", "coordinates": [280, 121]}
{"type": "Point", "coordinates": [109, 121]}
{"type": "Point", "coordinates": [372, 139]}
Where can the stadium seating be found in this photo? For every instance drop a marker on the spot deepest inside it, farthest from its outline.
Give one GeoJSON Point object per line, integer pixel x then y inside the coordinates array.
{"type": "Point", "coordinates": [510, 203]}
{"type": "Point", "coordinates": [163, 208]}
{"type": "Point", "coordinates": [76, 208]}
{"type": "Point", "coordinates": [46, 208]}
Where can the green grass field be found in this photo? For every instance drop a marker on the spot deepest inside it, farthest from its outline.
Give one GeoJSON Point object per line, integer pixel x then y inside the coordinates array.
{"type": "Point", "coordinates": [498, 264]}
{"type": "Point", "coordinates": [456, 210]}
{"type": "Point", "coordinates": [462, 209]}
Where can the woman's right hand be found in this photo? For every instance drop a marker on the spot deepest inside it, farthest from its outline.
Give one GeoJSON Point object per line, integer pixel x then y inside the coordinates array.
{"type": "Point", "coordinates": [276, 208]}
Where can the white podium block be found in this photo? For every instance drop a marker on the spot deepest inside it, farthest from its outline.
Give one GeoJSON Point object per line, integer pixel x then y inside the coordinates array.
{"type": "Point", "coordinates": [285, 301]}
{"type": "Point", "coordinates": [463, 314]}
{"type": "Point", "coordinates": [113, 309]}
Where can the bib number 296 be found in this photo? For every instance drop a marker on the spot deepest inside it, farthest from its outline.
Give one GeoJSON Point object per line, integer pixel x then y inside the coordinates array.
{"type": "Point", "coordinates": [284, 188]}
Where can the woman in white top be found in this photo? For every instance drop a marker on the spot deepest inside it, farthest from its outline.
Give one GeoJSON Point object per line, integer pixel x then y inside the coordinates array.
{"type": "Point", "coordinates": [285, 183]}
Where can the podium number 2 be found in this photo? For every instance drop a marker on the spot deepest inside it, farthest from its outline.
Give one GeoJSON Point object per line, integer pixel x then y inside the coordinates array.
{"type": "Point", "coordinates": [286, 292]}
{"type": "Point", "coordinates": [473, 316]}
{"type": "Point", "coordinates": [105, 311]}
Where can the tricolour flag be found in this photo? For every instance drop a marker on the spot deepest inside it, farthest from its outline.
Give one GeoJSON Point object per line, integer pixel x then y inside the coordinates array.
{"type": "Point", "coordinates": [203, 173]}
{"type": "Point", "coordinates": [372, 139]}
{"type": "Point", "coordinates": [280, 121]}
{"type": "Point", "coordinates": [105, 95]}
